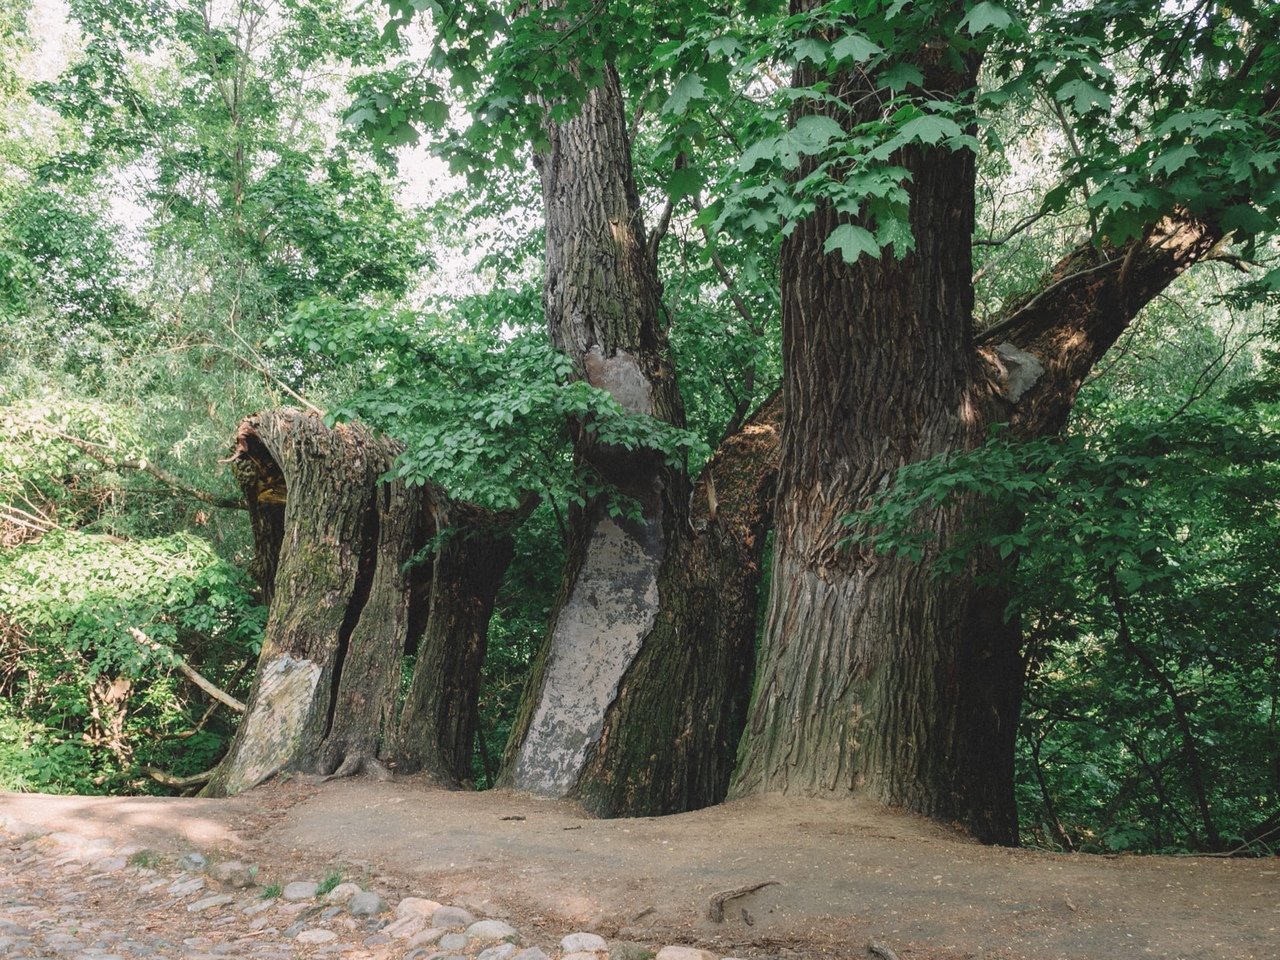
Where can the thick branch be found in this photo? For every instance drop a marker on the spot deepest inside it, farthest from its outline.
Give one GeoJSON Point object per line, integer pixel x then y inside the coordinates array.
{"type": "Point", "coordinates": [1041, 351]}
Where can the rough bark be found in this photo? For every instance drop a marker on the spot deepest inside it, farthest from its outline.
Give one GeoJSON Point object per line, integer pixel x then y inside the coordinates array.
{"type": "Point", "coordinates": [670, 738]}
{"type": "Point", "coordinates": [363, 711]}
{"type": "Point", "coordinates": [601, 297]}
{"type": "Point", "coordinates": [334, 546]}
{"type": "Point", "coordinates": [323, 580]}
{"type": "Point", "coordinates": [437, 726]}
{"type": "Point", "coordinates": [876, 677]}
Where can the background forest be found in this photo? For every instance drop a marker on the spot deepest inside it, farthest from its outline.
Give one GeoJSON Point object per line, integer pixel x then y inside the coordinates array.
{"type": "Point", "coordinates": [213, 209]}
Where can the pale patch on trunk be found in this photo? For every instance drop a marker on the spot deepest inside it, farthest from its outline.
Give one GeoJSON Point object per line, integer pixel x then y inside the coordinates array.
{"type": "Point", "coordinates": [276, 720]}
{"type": "Point", "coordinates": [622, 377]}
{"type": "Point", "coordinates": [597, 635]}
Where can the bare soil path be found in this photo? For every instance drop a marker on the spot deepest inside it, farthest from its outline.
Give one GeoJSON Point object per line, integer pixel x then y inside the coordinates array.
{"type": "Point", "coordinates": [838, 876]}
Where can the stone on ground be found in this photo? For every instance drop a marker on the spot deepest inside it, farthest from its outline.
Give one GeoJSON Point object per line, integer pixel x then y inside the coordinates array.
{"type": "Point", "coordinates": [630, 950]}
{"type": "Point", "coordinates": [486, 930]}
{"type": "Point", "coordinates": [208, 903]}
{"type": "Point", "coordinates": [342, 893]}
{"type": "Point", "coordinates": [193, 862]}
{"type": "Point", "coordinates": [366, 904]}
{"type": "Point", "coordinates": [417, 906]}
{"type": "Point", "coordinates": [530, 953]}
{"type": "Point", "coordinates": [452, 918]}
{"type": "Point", "coordinates": [316, 936]}
{"type": "Point", "coordinates": [503, 951]}
{"type": "Point", "coordinates": [453, 941]}
{"type": "Point", "coordinates": [684, 953]}
{"type": "Point", "coordinates": [300, 890]}
{"type": "Point", "coordinates": [234, 874]}
{"type": "Point", "coordinates": [583, 943]}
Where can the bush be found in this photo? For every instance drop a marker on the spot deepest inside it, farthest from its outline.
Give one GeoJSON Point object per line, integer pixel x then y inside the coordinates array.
{"type": "Point", "coordinates": [86, 707]}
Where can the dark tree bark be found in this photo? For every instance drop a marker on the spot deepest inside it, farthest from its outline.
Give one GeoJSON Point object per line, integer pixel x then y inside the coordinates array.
{"type": "Point", "coordinates": [437, 726]}
{"type": "Point", "coordinates": [875, 677]}
{"type": "Point", "coordinates": [670, 738]}
{"type": "Point", "coordinates": [334, 546]}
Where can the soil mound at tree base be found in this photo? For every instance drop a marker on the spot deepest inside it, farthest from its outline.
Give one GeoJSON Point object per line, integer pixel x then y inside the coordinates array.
{"type": "Point", "coordinates": [832, 875]}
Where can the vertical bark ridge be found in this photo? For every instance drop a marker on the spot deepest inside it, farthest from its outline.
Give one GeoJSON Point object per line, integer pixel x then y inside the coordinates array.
{"type": "Point", "coordinates": [437, 725]}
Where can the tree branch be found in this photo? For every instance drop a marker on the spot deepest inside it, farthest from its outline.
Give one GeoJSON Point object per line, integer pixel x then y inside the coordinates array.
{"type": "Point", "coordinates": [1067, 325]}
{"type": "Point", "coordinates": [189, 672]}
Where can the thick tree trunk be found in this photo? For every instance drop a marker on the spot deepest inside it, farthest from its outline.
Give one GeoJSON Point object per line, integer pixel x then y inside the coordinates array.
{"type": "Point", "coordinates": [877, 677]}
{"type": "Point", "coordinates": [324, 579]}
{"type": "Point", "coordinates": [345, 604]}
{"type": "Point", "coordinates": [438, 722]}
{"type": "Point", "coordinates": [601, 295]}
{"type": "Point", "coordinates": [670, 738]}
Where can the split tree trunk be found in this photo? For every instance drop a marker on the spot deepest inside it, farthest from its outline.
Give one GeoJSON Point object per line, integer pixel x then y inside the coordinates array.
{"type": "Point", "coordinates": [601, 295]}
{"type": "Point", "coordinates": [437, 726]}
{"type": "Point", "coordinates": [323, 581]}
{"type": "Point", "coordinates": [345, 604]}
{"type": "Point", "coordinates": [670, 737]}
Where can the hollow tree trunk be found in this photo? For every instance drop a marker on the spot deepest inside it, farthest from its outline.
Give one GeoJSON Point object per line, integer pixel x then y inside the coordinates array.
{"type": "Point", "coordinates": [344, 599]}
{"type": "Point", "coordinates": [437, 726]}
{"type": "Point", "coordinates": [324, 578]}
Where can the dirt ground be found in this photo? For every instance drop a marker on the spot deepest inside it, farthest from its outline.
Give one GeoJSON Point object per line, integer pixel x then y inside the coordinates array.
{"type": "Point", "coordinates": [838, 875]}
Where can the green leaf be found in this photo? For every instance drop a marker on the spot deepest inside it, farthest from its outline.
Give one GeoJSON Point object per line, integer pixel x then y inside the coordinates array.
{"type": "Point", "coordinates": [1173, 160]}
{"type": "Point", "coordinates": [986, 16]}
{"type": "Point", "coordinates": [685, 182]}
{"type": "Point", "coordinates": [687, 89]}
{"type": "Point", "coordinates": [855, 47]}
{"type": "Point", "coordinates": [1084, 96]}
{"type": "Point", "coordinates": [930, 128]}
{"type": "Point", "coordinates": [852, 242]}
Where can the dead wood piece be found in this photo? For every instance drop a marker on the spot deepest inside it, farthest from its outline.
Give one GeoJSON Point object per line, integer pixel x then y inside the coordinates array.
{"type": "Point", "coordinates": [715, 906]}
{"type": "Point", "coordinates": [178, 783]}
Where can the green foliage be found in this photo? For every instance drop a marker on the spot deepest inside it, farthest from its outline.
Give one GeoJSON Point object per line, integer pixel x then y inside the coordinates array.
{"type": "Point", "coordinates": [87, 706]}
{"type": "Point", "coordinates": [329, 882]}
{"type": "Point", "coordinates": [483, 416]}
{"type": "Point", "coordinates": [1147, 562]}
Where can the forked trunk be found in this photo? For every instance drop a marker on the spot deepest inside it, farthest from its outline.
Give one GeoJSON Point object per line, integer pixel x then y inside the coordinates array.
{"type": "Point", "coordinates": [670, 737]}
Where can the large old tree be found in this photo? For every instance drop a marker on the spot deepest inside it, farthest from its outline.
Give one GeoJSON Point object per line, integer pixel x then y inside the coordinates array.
{"type": "Point", "coordinates": [876, 677]}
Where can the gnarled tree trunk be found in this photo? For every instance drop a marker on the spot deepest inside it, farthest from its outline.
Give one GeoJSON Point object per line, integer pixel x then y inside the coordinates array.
{"type": "Point", "coordinates": [876, 677]}
{"type": "Point", "coordinates": [334, 546]}
{"type": "Point", "coordinates": [601, 295]}
{"type": "Point", "coordinates": [323, 581]}
{"type": "Point", "coordinates": [437, 725]}
{"type": "Point", "coordinates": [670, 737]}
